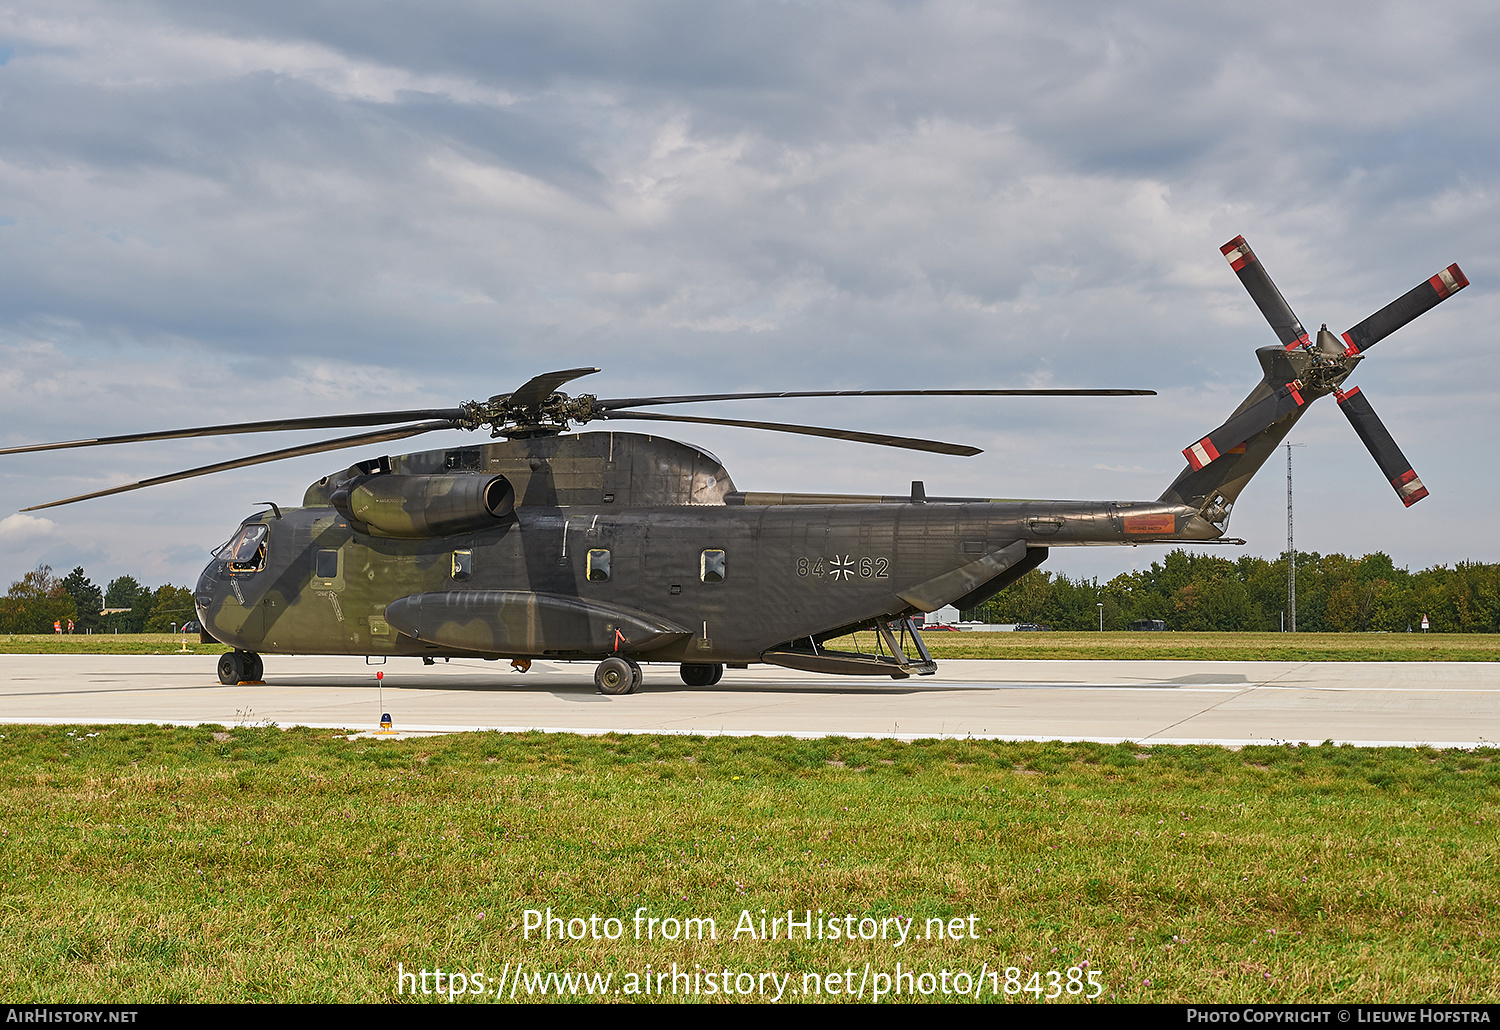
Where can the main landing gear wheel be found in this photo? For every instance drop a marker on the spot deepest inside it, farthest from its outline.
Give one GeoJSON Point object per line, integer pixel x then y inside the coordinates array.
{"type": "Point", "coordinates": [614, 676]}
{"type": "Point", "coordinates": [701, 674]}
{"type": "Point", "coordinates": [637, 677]}
{"type": "Point", "coordinates": [240, 667]}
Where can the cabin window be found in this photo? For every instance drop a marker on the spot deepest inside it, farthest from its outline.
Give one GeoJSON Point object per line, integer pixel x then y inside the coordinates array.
{"type": "Point", "coordinates": [247, 551]}
{"type": "Point", "coordinates": [598, 565]}
{"type": "Point", "coordinates": [463, 564]}
{"type": "Point", "coordinates": [325, 563]}
{"type": "Point", "coordinates": [711, 566]}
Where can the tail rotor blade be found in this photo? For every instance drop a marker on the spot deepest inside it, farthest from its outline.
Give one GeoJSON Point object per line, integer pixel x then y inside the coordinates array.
{"type": "Point", "coordinates": [1259, 416]}
{"type": "Point", "coordinates": [1403, 309]}
{"type": "Point", "coordinates": [1265, 294]}
{"type": "Point", "coordinates": [1382, 447]}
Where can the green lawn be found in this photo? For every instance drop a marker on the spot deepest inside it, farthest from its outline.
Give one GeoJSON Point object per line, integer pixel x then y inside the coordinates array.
{"type": "Point", "coordinates": [1243, 647]}
{"type": "Point", "coordinates": [105, 643]}
{"type": "Point", "coordinates": [1221, 647]}
{"type": "Point", "coordinates": [156, 864]}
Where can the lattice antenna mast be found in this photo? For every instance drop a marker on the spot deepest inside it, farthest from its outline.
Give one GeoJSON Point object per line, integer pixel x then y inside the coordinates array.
{"type": "Point", "coordinates": [1291, 546]}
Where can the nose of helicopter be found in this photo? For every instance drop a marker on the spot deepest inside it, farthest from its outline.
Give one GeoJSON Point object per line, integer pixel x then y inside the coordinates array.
{"type": "Point", "coordinates": [207, 590]}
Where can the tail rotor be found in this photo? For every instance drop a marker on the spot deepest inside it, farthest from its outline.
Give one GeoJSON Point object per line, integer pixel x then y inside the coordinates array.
{"type": "Point", "coordinates": [1305, 368]}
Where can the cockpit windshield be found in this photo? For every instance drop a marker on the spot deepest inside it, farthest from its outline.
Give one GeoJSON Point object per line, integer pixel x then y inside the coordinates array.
{"type": "Point", "coordinates": [246, 552]}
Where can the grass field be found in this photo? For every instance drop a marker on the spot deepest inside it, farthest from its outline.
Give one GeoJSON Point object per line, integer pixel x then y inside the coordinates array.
{"type": "Point", "coordinates": [105, 643]}
{"type": "Point", "coordinates": [1242, 647]}
{"type": "Point", "coordinates": [1219, 647]}
{"type": "Point", "coordinates": [159, 864]}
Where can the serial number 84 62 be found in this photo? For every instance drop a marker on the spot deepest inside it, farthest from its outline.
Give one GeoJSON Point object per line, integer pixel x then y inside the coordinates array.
{"type": "Point", "coordinates": [844, 566]}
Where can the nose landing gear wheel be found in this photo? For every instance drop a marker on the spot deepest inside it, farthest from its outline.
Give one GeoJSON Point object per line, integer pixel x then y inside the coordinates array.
{"type": "Point", "coordinates": [613, 676]}
{"type": "Point", "coordinates": [240, 667]}
{"type": "Point", "coordinates": [637, 677]}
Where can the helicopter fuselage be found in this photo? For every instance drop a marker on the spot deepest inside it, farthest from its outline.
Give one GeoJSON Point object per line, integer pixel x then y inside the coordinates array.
{"type": "Point", "coordinates": [716, 577]}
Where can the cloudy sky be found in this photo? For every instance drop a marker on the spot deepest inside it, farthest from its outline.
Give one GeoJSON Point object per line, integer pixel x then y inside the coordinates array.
{"type": "Point", "coordinates": [231, 211]}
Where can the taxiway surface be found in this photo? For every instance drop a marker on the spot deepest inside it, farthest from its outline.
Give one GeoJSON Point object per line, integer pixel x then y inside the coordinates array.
{"type": "Point", "coordinates": [1443, 704]}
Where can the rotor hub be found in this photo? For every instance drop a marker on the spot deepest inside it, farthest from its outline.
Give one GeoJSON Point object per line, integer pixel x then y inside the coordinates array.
{"type": "Point", "coordinates": [554, 414]}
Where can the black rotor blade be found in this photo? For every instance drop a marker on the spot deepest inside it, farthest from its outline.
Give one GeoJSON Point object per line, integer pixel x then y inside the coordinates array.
{"type": "Point", "coordinates": [613, 403]}
{"type": "Point", "coordinates": [1403, 309]}
{"type": "Point", "coordinates": [1382, 447]}
{"type": "Point", "coordinates": [383, 436]}
{"type": "Point", "coordinates": [1264, 413]}
{"type": "Point", "coordinates": [880, 439]}
{"type": "Point", "coordinates": [372, 418]}
{"type": "Point", "coordinates": [1264, 292]}
{"type": "Point", "coordinates": [537, 389]}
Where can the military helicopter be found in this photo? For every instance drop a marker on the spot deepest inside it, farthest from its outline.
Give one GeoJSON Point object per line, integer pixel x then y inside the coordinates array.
{"type": "Point", "coordinates": [621, 548]}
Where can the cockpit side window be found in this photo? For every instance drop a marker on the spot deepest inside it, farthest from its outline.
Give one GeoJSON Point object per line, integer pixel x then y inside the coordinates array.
{"type": "Point", "coordinates": [326, 563]}
{"type": "Point", "coordinates": [247, 551]}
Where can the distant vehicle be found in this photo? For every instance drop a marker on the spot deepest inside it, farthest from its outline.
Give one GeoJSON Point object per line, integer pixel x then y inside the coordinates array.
{"type": "Point", "coordinates": [1031, 627]}
{"type": "Point", "coordinates": [941, 628]}
{"type": "Point", "coordinates": [1149, 625]}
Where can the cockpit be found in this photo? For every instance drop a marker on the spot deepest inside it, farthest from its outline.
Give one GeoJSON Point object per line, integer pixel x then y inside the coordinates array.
{"type": "Point", "coordinates": [246, 553]}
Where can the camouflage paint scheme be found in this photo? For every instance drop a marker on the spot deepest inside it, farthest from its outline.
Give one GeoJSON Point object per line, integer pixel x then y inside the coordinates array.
{"type": "Point", "coordinates": [517, 585]}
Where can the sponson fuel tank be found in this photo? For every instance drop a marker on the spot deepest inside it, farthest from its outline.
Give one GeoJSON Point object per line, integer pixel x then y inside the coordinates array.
{"type": "Point", "coordinates": [523, 622]}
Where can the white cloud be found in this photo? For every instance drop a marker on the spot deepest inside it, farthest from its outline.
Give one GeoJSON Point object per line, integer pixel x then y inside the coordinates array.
{"type": "Point", "coordinates": [216, 213]}
{"type": "Point", "coordinates": [22, 530]}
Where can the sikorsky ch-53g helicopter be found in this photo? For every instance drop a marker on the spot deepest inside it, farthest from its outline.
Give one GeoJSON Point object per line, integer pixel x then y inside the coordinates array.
{"type": "Point", "coordinates": [623, 548]}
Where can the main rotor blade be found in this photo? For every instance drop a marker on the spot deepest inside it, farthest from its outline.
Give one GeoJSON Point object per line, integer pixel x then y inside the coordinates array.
{"type": "Point", "coordinates": [373, 418]}
{"type": "Point", "coordinates": [1403, 309]}
{"type": "Point", "coordinates": [1382, 447]}
{"type": "Point", "coordinates": [537, 389]}
{"type": "Point", "coordinates": [613, 403]}
{"type": "Point", "coordinates": [909, 443]}
{"type": "Point", "coordinates": [1264, 413]}
{"type": "Point", "coordinates": [1264, 292]}
{"type": "Point", "coordinates": [259, 459]}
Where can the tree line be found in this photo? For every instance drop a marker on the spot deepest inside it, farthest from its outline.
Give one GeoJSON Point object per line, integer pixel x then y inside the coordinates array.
{"type": "Point", "coordinates": [1336, 593]}
{"type": "Point", "coordinates": [39, 600]}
